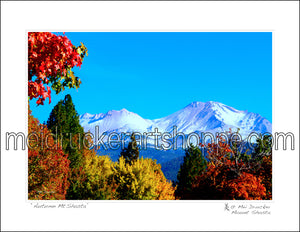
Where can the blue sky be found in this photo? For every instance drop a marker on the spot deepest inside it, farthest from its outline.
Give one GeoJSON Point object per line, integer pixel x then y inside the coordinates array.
{"type": "Point", "coordinates": [155, 74]}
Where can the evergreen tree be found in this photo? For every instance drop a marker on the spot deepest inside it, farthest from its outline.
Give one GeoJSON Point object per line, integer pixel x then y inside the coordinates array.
{"type": "Point", "coordinates": [194, 165]}
{"type": "Point", "coordinates": [131, 153]}
{"type": "Point", "coordinates": [64, 122]}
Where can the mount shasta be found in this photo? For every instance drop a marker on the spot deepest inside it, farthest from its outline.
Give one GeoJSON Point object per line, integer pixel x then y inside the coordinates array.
{"type": "Point", "coordinates": [195, 117]}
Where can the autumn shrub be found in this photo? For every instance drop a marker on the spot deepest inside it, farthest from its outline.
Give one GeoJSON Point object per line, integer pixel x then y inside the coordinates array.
{"type": "Point", "coordinates": [141, 180]}
{"type": "Point", "coordinates": [95, 183]}
{"type": "Point", "coordinates": [48, 165]}
{"type": "Point", "coordinates": [230, 175]}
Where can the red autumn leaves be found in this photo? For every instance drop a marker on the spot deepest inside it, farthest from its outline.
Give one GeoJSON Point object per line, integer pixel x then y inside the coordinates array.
{"type": "Point", "coordinates": [48, 167]}
{"type": "Point", "coordinates": [49, 55]}
{"type": "Point", "coordinates": [230, 178]}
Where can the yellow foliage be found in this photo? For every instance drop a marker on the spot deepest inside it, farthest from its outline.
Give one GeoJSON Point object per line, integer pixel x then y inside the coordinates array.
{"type": "Point", "coordinates": [96, 173]}
{"type": "Point", "coordinates": [97, 166]}
{"type": "Point", "coordinates": [141, 180]}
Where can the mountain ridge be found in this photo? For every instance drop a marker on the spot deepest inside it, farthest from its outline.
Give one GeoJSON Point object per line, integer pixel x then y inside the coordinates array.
{"type": "Point", "coordinates": [197, 116]}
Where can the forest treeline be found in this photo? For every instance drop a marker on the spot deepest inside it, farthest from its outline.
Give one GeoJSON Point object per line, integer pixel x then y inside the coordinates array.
{"type": "Point", "coordinates": [66, 169]}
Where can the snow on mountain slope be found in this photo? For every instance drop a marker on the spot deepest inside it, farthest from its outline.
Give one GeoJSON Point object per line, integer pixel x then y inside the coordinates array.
{"type": "Point", "coordinates": [197, 116]}
{"type": "Point", "coordinates": [113, 120]}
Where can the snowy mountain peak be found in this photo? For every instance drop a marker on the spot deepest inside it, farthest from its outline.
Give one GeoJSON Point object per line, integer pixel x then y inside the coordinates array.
{"type": "Point", "coordinates": [197, 116]}
{"type": "Point", "coordinates": [209, 104]}
{"type": "Point", "coordinates": [195, 104]}
{"type": "Point", "coordinates": [118, 112]}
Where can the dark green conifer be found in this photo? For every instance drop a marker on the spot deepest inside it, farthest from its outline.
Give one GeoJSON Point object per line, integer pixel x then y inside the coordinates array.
{"type": "Point", "coordinates": [131, 153]}
{"type": "Point", "coordinates": [64, 122]}
{"type": "Point", "coordinates": [194, 165]}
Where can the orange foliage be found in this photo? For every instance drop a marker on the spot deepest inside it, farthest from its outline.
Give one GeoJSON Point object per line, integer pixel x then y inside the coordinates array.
{"type": "Point", "coordinates": [48, 166]}
{"type": "Point", "coordinates": [246, 186]}
{"type": "Point", "coordinates": [265, 174]}
{"type": "Point", "coordinates": [228, 177]}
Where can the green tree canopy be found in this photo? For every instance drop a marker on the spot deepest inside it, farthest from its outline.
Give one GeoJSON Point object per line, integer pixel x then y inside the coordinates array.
{"type": "Point", "coordinates": [64, 123]}
{"type": "Point", "coordinates": [194, 165]}
{"type": "Point", "coordinates": [131, 153]}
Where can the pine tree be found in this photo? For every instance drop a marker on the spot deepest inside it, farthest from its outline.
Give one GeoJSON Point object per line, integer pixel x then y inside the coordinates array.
{"type": "Point", "coordinates": [131, 153]}
{"type": "Point", "coordinates": [64, 122]}
{"type": "Point", "coordinates": [194, 165]}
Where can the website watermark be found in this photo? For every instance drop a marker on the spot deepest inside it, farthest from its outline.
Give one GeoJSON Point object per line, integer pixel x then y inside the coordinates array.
{"type": "Point", "coordinates": [172, 140]}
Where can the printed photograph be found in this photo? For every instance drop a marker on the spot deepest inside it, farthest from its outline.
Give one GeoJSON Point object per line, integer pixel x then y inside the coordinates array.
{"type": "Point", "coordinates": [149, 115]}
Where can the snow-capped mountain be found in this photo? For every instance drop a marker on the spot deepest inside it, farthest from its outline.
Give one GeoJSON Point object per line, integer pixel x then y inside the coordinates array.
{"type": "Point", "coordinates": [113, 120]}
{"type": "Point", "coordinates": [195, 117]}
